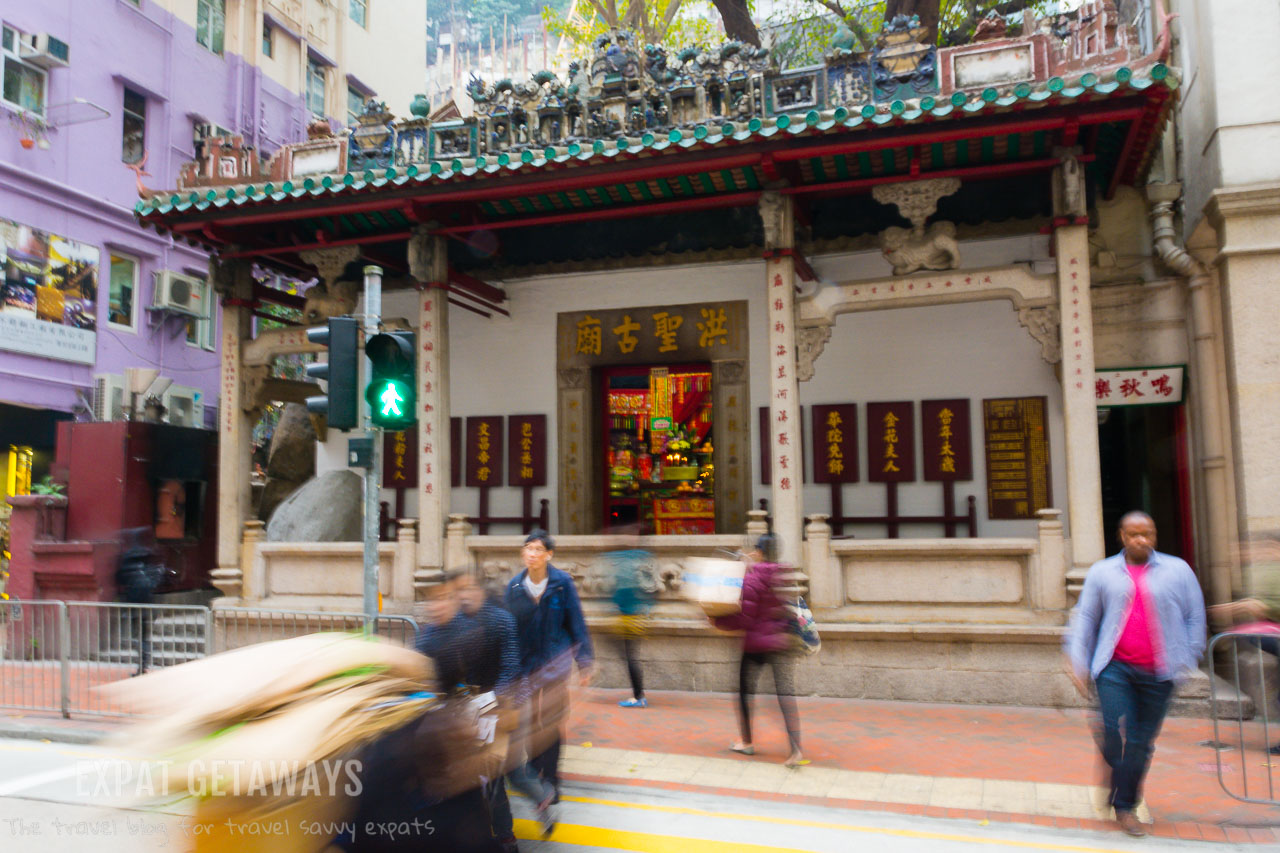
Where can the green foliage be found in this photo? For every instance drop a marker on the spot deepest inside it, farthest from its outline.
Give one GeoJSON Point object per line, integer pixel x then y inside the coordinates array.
{"type": "Point", "coordinates": [672, 23]}
{"type": "Point", "coordinates": [490, 14]}
{"type": "Point", "coordinates": [48, 487]}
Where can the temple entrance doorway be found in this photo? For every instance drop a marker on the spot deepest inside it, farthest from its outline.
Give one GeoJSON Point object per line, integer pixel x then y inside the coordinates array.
{"type": "Point", "coordinates": [1143, 452]}
{"type": "Point", "coordinates": [656, 448]}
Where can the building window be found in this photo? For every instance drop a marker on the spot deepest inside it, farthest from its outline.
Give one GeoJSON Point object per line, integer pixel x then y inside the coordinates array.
{"type": "Point", "coordinates": [135, 127]}
{"type": "Point", "coordinates": [266, 40]}
{"type": "Point", "coordinates": [211, 23]}
{"type": "Point", "coordinates": [359, 10]}
{"type": "Point", "coordinates": [315, 88]}
{"type": "Point", "coordinates": [200, 330]}
{"type": "Point", "coordinates": [24, 85]}
{"type": "Point", "coordinates": [122, 299]}
{"type": "Point", "coordinates": [355, 105]}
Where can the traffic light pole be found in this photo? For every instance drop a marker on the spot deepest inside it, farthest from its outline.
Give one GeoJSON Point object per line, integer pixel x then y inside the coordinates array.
{"type": "Point", "coordinates": [372, 476]}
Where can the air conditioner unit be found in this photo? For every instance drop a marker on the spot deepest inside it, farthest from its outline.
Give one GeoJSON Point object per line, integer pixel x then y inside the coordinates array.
{"type": "Point", "coordinates": [110, 397]}
{"type": "Point", "coordinates": [181, 294]}
{"type": "Point", "coordinates": [185, 406]}
{"type": "Point", "coordinates": [44, 50]}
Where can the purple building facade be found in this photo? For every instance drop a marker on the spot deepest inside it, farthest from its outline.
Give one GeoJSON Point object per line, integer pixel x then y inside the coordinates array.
{"type": "Point", "coordinates": [97, 96]}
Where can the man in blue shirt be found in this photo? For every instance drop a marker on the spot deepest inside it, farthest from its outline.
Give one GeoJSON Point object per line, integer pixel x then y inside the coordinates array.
{"type": "Point", "coordinates": [552, 633]}
{"type": "Point", "coordinates": [1139, 626]}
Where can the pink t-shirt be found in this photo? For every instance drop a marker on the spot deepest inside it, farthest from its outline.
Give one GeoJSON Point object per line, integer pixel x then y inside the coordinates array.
{"type": "Point", "coordinates": [1139, 644]}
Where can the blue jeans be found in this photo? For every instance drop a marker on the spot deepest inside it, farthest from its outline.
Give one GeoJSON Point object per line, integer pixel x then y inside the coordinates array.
{"type": "Point", "coordinates": [1140, 700]}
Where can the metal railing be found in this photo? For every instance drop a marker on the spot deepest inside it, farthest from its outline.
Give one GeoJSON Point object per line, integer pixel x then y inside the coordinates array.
{"type": "Point", "coordinates": [1249, 736]}
{"type": "Point", "coordinates": [54, 653]}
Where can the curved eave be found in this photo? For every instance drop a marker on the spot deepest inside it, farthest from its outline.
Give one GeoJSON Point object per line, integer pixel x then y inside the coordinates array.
{"type": "Point", "coordinates": [197, 216]}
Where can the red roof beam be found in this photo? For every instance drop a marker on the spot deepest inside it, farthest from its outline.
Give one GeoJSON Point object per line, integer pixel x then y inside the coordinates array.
{"type": "Point", "coordinates": [996, 170]}
{"type": "Point", "coordinates": [704, 203]}
{"type": "Point", "coordinates": [876, 143]}
{"type": "Point", "coordinates": [302, 247]}
{"type": "Point", "coordinates": [476, 286]}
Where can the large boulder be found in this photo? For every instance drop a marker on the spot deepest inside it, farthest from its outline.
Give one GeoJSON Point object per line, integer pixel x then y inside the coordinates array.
{"type": "Point", "coordinates": [292, 460]}
{"type": "Point", "coordinates": [293, 446]}
{"type": "Point", "coordinates": [325, 509]}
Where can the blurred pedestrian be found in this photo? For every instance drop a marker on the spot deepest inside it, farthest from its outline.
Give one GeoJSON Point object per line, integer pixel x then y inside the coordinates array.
{"type": "Point", "coordinates": [1259, 613]}
{"type": "Point", "coordinates": [765, 642]}
{"type": "Point", "coordinates": [493, 665]}
{"type": "Point", "coordinates": [138, 575]}
{"type": "Point", "coordinates": [1139, 626]}
{"type": "Point", "coordinates": [552, 633]}
{"type": "Point", "coordinates": [633, 592]}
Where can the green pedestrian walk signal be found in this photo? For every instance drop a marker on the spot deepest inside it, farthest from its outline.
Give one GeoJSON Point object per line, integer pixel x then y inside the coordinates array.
{"type": "Point", "coordinates": [392, 401]}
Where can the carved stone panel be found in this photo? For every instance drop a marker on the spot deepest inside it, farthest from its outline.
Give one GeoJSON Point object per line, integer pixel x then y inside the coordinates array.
{"type": "Point", "coordinates": [809, 343]}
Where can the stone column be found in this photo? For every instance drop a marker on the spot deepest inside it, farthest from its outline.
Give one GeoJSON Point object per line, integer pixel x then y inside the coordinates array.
{"type": "Point", "coordinates": [778, 213]}
{"type": "Point", "coordinates": [428, 266]}
{"type": "Point", "coordinates": [406, 561]}
{"type": "Point", "coordinates": [1049, 587]}
{"type": "Point", "coordinates": [826, 580]}
{"type": "Point", "coordinates": [253, 585]}
{"type": "Point", "coordinates": [757, 525]}
{"type": "Point", "coordinates": [1079, 409]}
{"type": "Point", "coordinates": [1247, 220]}
{"type": "Point", "coordinates": [455, 549]}
{"type": "Point", "coordinates": [233, 282]}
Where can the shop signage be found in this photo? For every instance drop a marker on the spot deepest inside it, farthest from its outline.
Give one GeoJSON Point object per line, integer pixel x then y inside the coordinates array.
{"type": "Point", "coordinates": [660, 423]}
{"type": "Point", "coordinates": [484, 451]}
{"type": "Point", "coordinates": [527, 438]}
{"type": "Point", "coordinates": [891, 442]}
{"type": "Point", "coordinates": [697, 332]}
{"type": "Point", "coordinates": [835, 443]}
{"type": "Point", "coordinates": [948, 448]}
{"type": "Point", "coordinates": [1017, 450]}
{"type": "Point", "coordinates": [48, 294]}
{"type": "Point", "coordinates": [1139, 386]}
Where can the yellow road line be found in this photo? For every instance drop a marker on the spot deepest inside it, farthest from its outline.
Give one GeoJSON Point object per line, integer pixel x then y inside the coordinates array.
{"type": "Point", "coordinates": [639, 842]}
{"type": "Point", "coordinates": [814, 824]}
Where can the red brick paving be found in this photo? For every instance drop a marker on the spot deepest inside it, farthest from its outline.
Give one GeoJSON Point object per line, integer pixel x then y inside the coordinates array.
{"type": "Point", "coordinates": [974, 741]}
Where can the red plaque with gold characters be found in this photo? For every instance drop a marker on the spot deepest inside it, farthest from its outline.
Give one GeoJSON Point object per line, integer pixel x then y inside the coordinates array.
{"type": "Point", "coordinates": [1017, 445]}
{"type": "Point", "coordinates": [948, 445]}
{"type": "Point", "coordinates": [400, 459]}
{"type": "Point", "coordinates": [484, 451]}
{"type": "Point", "coordinates": [527, 460]}
{"type": "Point", "coordinates": [835, 443]}
{"type": "Point", "coordinates": [891, 444]}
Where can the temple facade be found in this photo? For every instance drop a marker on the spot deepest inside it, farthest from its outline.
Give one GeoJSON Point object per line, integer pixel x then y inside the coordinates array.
{"type": "Point", "coordinates": [917, 310]}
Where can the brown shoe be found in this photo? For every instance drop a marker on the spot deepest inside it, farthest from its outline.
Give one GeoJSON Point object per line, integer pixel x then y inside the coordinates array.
{"type": "Point", "coordinates": [1130, 824]}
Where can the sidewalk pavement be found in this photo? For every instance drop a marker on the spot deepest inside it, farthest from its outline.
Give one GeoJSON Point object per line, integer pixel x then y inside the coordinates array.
{"type": "Point", "coordinates": [969, 762]}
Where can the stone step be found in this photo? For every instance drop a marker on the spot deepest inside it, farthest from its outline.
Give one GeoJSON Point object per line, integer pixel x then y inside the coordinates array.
{"type": "Point", "coordinates": [1227, 703]}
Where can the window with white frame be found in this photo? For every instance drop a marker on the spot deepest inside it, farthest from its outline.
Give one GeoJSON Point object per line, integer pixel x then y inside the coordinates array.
{"type": "Point", "coordinates": [134, 139]}
{"type": "Point", "coordinates": [355, 105]}
{"type": "Point", "coordinates": [122, 296]}
{"type": "Point", "coordinates": [200, 330]}
{"type": "Point", "coordinates": [315, 88]}
{"type": "Point", "coordinates": [24, 85]}
{"type": "Point", "coordinates": [211, 24]}
{"type": "Point", "coordinates": [359, 11]}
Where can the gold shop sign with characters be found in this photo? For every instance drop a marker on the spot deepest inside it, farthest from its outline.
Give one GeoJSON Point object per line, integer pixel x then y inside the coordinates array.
{"type": "Point", "coordinates": [703, 331]}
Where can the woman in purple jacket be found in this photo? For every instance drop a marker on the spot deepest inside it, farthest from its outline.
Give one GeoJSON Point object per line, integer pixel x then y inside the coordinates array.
{"type": "Point", "coordinates": [763, 623]}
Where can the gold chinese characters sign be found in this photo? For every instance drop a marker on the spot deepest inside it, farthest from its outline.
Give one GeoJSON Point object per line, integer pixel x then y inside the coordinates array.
{"type": "Point", "coordinates": [1017, 450]}
{"type": "Point", "coordinates": [697, 332]}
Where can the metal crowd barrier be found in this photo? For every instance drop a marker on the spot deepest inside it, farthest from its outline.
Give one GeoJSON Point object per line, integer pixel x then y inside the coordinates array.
{"type": "Point", "coordinates": [1250, 739]}
{"type": "Point", "coordinates": [54, 653]}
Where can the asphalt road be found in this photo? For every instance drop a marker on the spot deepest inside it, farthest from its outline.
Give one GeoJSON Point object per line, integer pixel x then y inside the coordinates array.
{"type": "Point", "coordinates": [59, 797]}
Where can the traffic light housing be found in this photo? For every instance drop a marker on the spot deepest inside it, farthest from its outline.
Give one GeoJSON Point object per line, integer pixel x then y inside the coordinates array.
{"type": "Point", "coordinates": [342, 371]}
{"type": "Point", "coordinates": [390, 392]}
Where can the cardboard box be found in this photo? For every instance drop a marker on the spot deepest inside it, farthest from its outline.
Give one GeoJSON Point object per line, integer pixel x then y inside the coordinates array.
{"type": "Point", "coordinates": [714, 585]}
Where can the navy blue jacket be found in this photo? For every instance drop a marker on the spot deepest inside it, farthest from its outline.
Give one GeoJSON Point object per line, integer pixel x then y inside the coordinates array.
{"type": "Point", "coordinates": [551, 630]}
